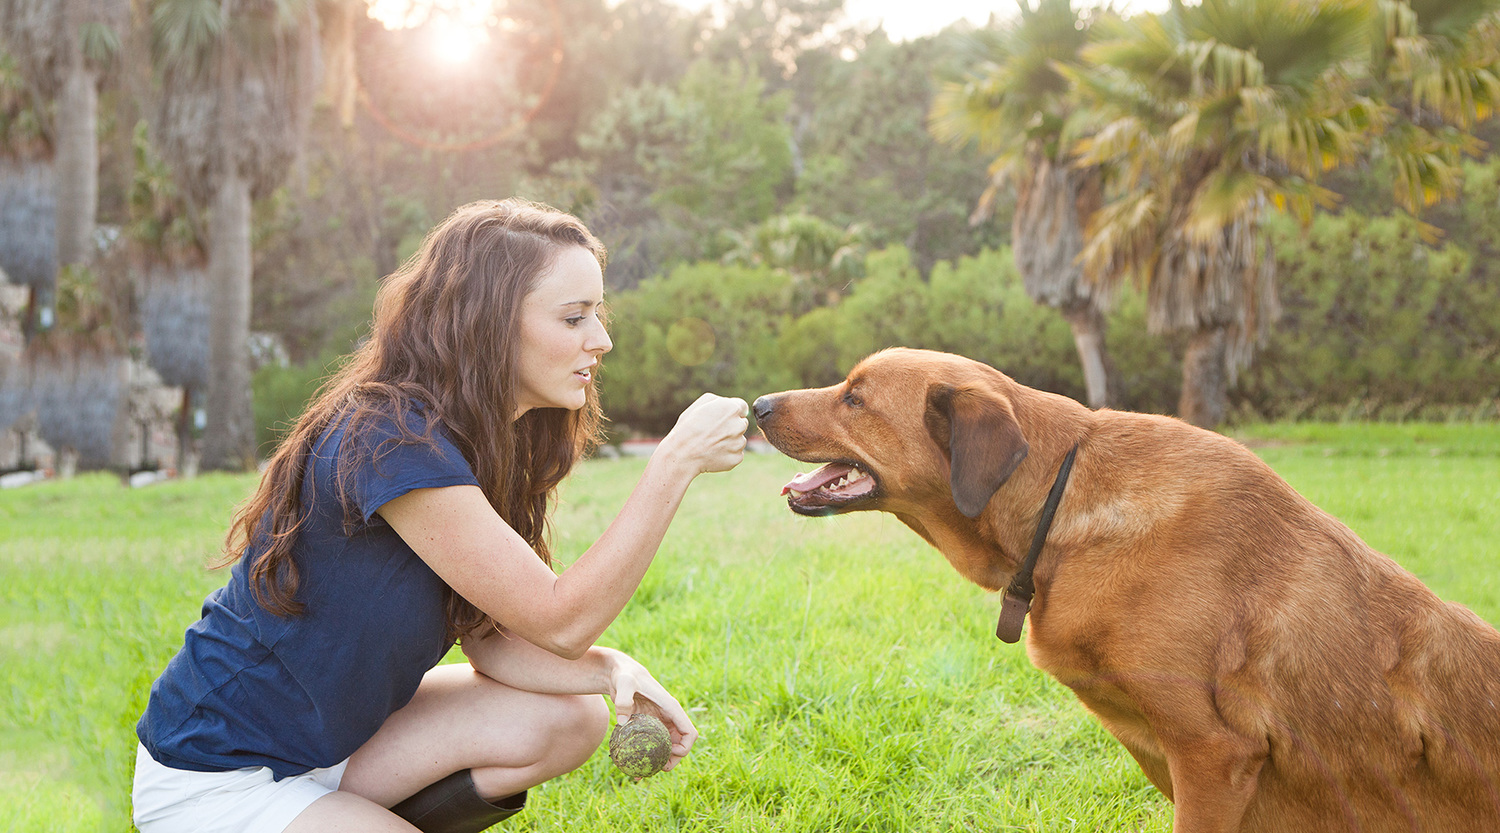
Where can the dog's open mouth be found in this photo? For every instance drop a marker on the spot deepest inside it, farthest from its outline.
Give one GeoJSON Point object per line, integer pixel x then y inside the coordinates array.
{"type": "Point", "coordinates": [831, 488]}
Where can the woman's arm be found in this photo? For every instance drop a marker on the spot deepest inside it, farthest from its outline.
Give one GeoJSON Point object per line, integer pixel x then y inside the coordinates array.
{"type": "Point", "coordinates": [456, 531]}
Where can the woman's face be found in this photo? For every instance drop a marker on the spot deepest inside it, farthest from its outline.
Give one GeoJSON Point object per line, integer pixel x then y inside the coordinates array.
{"type": "Point", "coordinates": [562, 336]}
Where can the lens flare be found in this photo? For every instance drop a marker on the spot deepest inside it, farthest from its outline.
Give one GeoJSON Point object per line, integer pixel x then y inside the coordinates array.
{"type": "Point", "coordinates": [452, 41]}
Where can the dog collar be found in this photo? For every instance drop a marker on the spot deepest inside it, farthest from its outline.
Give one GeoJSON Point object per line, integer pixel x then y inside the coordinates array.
{"type": "Point", "coordinates": [1017, 601]}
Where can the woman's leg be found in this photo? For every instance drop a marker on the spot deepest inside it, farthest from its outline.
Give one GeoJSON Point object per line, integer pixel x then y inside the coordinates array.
{"type": "Point", "coordinates": [461, 719]}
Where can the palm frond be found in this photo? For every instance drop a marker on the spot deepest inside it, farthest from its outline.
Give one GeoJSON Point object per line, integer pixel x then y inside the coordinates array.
{"type": "Point", "coordinates": [1123, 235]}
{"type": "Point", "coordinates": [1426, 163]}
{"type": "Point", "coordinates": [99, 41]}
{"type": "Point", "coordinates": [184, 33]}
{"type": "Point", "coordinates": [1230, 194]}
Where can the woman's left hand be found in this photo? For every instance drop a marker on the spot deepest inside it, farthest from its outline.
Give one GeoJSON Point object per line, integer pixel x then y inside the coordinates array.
{"type": "Point", "coordinates": [636, 691]}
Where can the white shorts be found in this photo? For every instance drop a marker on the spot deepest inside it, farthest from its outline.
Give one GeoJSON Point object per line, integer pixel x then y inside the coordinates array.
{"type": "Point", "coordinates": [250, 800]}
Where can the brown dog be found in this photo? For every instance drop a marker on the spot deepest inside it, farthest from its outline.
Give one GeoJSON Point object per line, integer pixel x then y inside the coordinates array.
{"type": "Point", "coordinates": [1267, 669]}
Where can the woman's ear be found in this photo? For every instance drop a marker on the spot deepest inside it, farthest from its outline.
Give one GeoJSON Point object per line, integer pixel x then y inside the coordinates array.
{"type": "Point", "coordinates": [982, 439]}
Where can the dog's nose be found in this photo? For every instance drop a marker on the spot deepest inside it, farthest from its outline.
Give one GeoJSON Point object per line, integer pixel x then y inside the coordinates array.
{"type": "Point", "coordinates": [763, 408]}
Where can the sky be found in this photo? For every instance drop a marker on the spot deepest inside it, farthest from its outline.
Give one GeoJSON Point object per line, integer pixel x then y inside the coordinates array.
{"type": "Point", "coordinates": [907, 19]}
{"type": "Point", "coordinates": [903, 19]}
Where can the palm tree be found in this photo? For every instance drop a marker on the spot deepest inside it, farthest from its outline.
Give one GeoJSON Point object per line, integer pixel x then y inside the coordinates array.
{"type": "Point", "coordinates": [1208, 118]}
{"type": "Point", "coordinates": [234, 82]}
{"type": "Point", "coordinates": [1435, 64]}
{"type": "Point", "coordinates": [63, 48]}
{"type": "Point", "coordinates": [28, 198]}
{"type": "Point", "coordinates": [171, 289]}
{"type": "Point", "coordinates": [1017, 105]}
{"type": "Point", "coordinates": [822, 258]}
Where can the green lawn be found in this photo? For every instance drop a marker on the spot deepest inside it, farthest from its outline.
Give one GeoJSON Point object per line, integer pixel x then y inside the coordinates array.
{"type": "Point", "coordinates": [842, 675]}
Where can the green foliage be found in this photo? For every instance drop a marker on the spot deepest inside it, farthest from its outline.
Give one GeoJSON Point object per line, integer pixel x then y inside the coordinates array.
{"type": "Point", "coordinates": [976, 307]}
{"type": "Point", "coordinates": [704, 327]}
{"type": "Point", "coordinates": [821, 258]}
{"type": "Point", "coordinates": [1376, 323]}
{"type": "Point", "coordinates": [21, 130]}
{"type": "Point", "coordinates": [668, 130]}
{"type": "Point", "coordinates": [160, 222]}
{"type": "Point", "coordinates": [675, 166]}
{"type": "Point", "coordinates": [866, 157]}
{"type": "Point", "coordinates": [730, 155]}
{"type": "Point", "coordinates": [282, 393]}
{"type": "Point", "coordinates": [979, 308]}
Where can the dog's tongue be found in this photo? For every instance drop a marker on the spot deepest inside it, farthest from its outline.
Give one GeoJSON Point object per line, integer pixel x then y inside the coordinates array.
{"type": "Point", "coordinates": [812, 480]}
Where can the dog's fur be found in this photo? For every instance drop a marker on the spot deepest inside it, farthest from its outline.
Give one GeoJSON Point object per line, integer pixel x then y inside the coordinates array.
{"type": "Point", "coordinates": [1268, 670]}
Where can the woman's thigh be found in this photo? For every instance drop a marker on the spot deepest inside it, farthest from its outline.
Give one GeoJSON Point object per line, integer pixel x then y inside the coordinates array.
{"type": "Point", "coordinates": [460, 719]}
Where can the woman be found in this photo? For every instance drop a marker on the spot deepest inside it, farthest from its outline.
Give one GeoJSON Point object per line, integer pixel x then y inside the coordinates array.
{"type": "Point", "coordinates": [406, 511]}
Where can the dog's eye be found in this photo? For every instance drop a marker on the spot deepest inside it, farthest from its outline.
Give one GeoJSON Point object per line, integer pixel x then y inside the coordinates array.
{"type": "Point", "coordinates": [853, 401]}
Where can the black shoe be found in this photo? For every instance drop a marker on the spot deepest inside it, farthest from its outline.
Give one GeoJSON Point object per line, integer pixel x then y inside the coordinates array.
{"type": "Point", "coordinates": [452, 805]}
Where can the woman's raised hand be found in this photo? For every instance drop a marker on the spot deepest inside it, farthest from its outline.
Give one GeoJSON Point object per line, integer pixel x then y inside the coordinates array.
{"type": "Point", "coordinates": [710, 434]}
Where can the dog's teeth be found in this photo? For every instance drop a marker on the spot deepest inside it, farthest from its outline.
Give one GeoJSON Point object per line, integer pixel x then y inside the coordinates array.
{"type": "Point", "coordinates": [794, 493]}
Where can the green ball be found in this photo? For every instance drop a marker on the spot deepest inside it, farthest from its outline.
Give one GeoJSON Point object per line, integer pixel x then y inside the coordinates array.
{"type": "Point", "coordinates": [641, 746]}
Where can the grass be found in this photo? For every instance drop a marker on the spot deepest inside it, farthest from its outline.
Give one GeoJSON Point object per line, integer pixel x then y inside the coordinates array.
{"type": "Point", "coordinates": [842, 675]}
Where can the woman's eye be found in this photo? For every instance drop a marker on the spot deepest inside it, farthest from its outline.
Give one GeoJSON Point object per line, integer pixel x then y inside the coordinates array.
{"type": "Point", "coordinates": [574, 321]}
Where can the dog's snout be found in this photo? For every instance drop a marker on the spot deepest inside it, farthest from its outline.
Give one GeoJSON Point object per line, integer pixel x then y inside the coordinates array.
{"type": "Point", "coordinates": [764, 406]}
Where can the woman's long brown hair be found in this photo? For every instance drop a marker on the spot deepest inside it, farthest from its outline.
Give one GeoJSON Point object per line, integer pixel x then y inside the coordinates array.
{"type": "Point", "coordinates": [444, 337]}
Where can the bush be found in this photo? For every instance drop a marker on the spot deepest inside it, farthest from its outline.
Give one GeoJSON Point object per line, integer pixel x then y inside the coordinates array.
{"type": "Point", "coordinates": [1377, 324]}
{"type": "Point", "coordinates": [704, 327]}
{"type": "Point", "coordinates": [281, 394]}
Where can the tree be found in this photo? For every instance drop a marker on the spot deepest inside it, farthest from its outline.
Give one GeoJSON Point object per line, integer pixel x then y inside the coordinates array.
{"type": "Point", "coordinates": [821, 258]}
{"type": "Point", "coordinates": [63, 48]}
{"type": "Point", "coordinates": [732, 154]}
{"type": "Point", "coordinates": [1434, 64]}
{"type": "Point", "coordinates": [234, 82]}
{"type": "Point", "coordinates": [28, 198]}
{"type": "Point", "coordinates": [772, 34]}
{"type": "Point", "coordinates": [676, 165]}
{"type": "Point", "coordinates": [864, 155]}
{"type": "Point", "coordinates": [1209, 117]}
{"type": "Point", "coordinates": [170, 287]}
{"type": "Point", "coordinates": [1016, 105]}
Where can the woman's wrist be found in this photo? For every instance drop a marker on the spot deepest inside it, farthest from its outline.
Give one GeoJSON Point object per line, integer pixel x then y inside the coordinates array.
{"type": "Point", "coordinates": [611, 663]}
{"type": "Point", "coordinates": [671, 464]}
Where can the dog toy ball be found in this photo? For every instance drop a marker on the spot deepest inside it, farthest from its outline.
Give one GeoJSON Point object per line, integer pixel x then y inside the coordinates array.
{"type": "Point", "coordinates": [640, 746]}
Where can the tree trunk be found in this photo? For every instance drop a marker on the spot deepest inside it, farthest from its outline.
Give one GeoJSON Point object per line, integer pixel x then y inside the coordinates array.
{"type": "Point", "coordinates": [1053, 205]}
{"type": "Point", "coordinates": [1088, 335]}
{"type": "Point", "coordinates": [340, 75]}
{"type": "Point", "coordinates": [1205, 379]}
{"type": "Point", "coordinates": [229, 436]}
{"type": "Point", "coordinates": [185, 434]}
{"type": "Point", "coordinates": [77, 167]}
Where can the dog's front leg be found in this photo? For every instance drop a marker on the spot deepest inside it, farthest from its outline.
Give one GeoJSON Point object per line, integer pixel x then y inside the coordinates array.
{"type": "Point", "coordinates": [1214, 779]}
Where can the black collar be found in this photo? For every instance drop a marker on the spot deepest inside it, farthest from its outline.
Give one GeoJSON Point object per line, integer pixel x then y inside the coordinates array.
{"type": "Point", "coordinates": [1018, 595]}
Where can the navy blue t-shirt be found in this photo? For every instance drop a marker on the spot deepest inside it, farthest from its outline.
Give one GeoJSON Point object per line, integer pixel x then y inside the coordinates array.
{"type": "Point", "coordinates": [250, 688]}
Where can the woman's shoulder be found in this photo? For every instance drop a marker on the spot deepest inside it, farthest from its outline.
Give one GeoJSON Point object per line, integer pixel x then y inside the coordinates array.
{"type": "Point", "coordinates": [382, 452]}
{"type": "Point", "coordinates": [373, 424]}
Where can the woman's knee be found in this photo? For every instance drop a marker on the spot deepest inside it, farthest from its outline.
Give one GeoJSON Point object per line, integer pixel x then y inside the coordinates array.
{"type": "Point", "coordinates": [565, 732]}
{"type": "Point", "coordinates": [584, 720]}
{"type": "Point", "coordinates": [562, 730]}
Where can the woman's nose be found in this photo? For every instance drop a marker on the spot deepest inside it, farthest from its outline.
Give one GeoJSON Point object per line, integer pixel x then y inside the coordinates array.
{"type": "Point", "coordinates": [599, 340]}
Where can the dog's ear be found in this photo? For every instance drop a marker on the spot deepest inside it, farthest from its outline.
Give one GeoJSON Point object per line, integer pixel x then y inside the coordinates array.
{"type": "Point", "coordinates": [982, 439]}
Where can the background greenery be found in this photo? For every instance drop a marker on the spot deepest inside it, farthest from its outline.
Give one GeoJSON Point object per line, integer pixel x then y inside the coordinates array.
{"type": "Point", "coordinates": [765, 176]}
{"type": "Point", "coordinates": [842, 675]}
